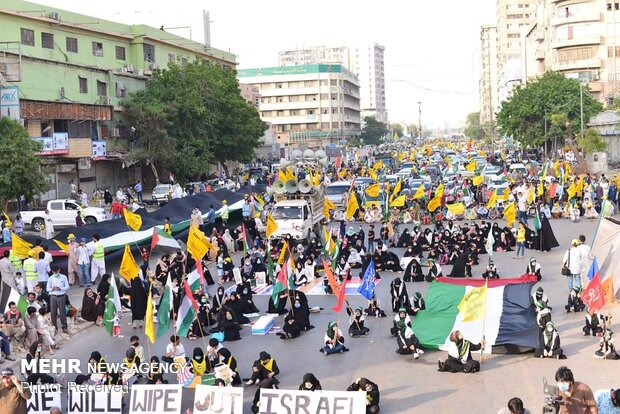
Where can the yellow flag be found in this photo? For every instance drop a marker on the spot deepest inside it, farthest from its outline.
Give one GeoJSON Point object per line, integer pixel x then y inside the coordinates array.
{"type": "Point", "coordinates": [260, 200]}
{"type": "Point", "coordinates": [329, 204]}
{"type": "Point", "coordinates": [398, 201]}
{"type": "Point", "coordinates": [281, 175]}
{"type": "Point", "coordinates": [372, 174]}
{"type": "Point", "coordinates": [289, 173]}
{"type": "Point", "coordinates": [571, 190]}
{"type": "Point", "coordinates": [395, 136]}
{"type": "Point", "coordinates": [373, 190]}
{"type": "Point", "coordinates": [540, 189]}
{"type": "Point", "coordinates": [434, 204]}
{"type": "Point", "coordinates": [568, 168]}
{"type": "Point", "coordinates": [492, 199]}
{"type": "Point", "coordinates": [556, 168]}
{"type": "Point", "coordinates": [530, 196]}
{"type": "Point", "coordinates": [457, 208]}
{"type": "Point", "coordinates": [317, 177]}
{"type": "Point", "coordinates": [473, 305]}
{"type": "Point", "coordinates": [133, 220]}
{"type": "Point", "coordinates": [129, 268]}
{"type": "Point", "coordinates": [282, 253]}
{"type": "Point", "coordinates": [439, 191]}
{"type": "Point", "coordinates": [271, 227]}
{"type": "Point", "coordinates": [197, 243]}
{"type": "Point", "coordinates": [397, 188]}
{"type": "Point", "coordinates": [377, 165]}
{"type": "Point", "coordinates": [342, 173]}
{"type": "Point", "coordinates": [63, 247]}
{"type": "Point", "coordinates": [149, 323]}
{"type": "Point", "coordinates": [7, 220]}
{"type": "Point", "coordinates": [579, 187]}
{"type": "Point", "coordinates": [310, 177]}
{"type": "Point", "coordinates": [352, 206]}
{"type": "Point", "coordinates": [419, 192]}
{"type": "Point", "coordinates": [471, 167]}
{"type": "Point", "coordinates": [477, 180]}
{"type": "Point", "coordinates": [510, 213]}
{"type": "Point", "coordinates": [20, 246]}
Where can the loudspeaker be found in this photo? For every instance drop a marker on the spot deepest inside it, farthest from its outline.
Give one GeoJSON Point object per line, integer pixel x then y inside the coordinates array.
{"type": "Point", "coordinates": [291, 186]}
{"type": "Point", "coordinates": [320, 154]}
{"type": "Point", "coordinates": [308, 153]}
{"type": "Point", "coordinates": [323, 161]}
{"type": "Point", "coordinates": [270, 191]}
{"type": "Point", "coordinates": [305, 186]}
{"type": "Point", "coordinates": [296, 154]}
{"type": "Point", "coordinates": [279, 187]}
{"type": "Point", "coordinates": [284, 163]}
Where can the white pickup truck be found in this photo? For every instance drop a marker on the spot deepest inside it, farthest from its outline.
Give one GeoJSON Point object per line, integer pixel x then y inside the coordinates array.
{"type": "Point", "coordinates": [63, 213]}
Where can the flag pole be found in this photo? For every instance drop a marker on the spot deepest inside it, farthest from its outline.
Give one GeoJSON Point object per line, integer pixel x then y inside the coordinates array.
{"type": "Point", "coordinates": [484, 321]}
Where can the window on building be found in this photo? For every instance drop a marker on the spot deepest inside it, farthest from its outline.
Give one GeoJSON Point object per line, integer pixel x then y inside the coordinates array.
{"type": "Point", "coordinates": [97, 49]}
{"type": "Point", "coordinates": [310, 111]}
{"type": "Point", "coordinates": [102, 88]}
{"type": "Point", "coordinates": [83, 84]}
{"type": "Point", "coordinates": [184, 62]}
{"type": "Point", "coordinates": [149, 52]}
{"type": "Point", "coordinates": [27, 37]}
{"type": "Point", "coordinates": [121, 90]}
{"type": "Point", "coordinates": [72, 44]}
{"type": "Point", "coordinates": [616, 6]}
{"type": "Point", "coordinates": [47, 40]}
{"type": "Point", "coordinates": [334, 110]}
{"type": "Point", "coordinates": [324, 111]}
{"type": "Point", "coordinates": [119, 51]}
{"type": "Point", "coordinates": [172, 58]}
{"type": "Point", "coordinates": [278, 86]}
{"type": "Point", "coordinates": [294, 112]}
{"type": "Point", "coordinates": [325, 125]}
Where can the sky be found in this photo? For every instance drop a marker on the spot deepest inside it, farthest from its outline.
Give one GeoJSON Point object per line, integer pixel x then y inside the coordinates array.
{"type": "Point", "coordinates": [431, 47]}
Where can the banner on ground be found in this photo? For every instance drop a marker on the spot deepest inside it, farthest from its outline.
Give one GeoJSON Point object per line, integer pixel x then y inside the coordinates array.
{"type": "Point", "coordinates": [87, 399]}
{"type": "Point", "coordinates": [43, 399]}
{"type": "Point", "coordinates": [209, 399]}
{"type": "Point", "coordinates": [155, 399]}
{"type": "Point", "coordinates": [274, 401]}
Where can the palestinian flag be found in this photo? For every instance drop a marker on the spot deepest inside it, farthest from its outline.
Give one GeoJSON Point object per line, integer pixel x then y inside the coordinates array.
{"type": "Point", "coordinates": [187, 312]}
{"type": "Point", "coordinates": [509, 326]}
{"type": "Point", "coordinates": [161, 238]}
{"type": "Point", "coordinates": [281, 284]}
{"type": "Point", "coordinates": [193, 280]}
{"type": "Point", "coordinates": [8, 295]}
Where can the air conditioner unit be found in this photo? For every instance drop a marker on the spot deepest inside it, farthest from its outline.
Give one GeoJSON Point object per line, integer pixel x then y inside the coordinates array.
{"type": "Point", "coordinates": [148, 73]}
{"type": "Point", "coordinates": [104, 100]}
{"type": "Point", "coordinates": [124, 69]}
{"type": "Point", "coordinates": [129, 67]}
{"type": "Point", "coordinates": [596, 75]}
{"type": "Point", "coordinates": [140, 72]}
{"type": "Point", "coordinates": [54, 16]}
{"type": "Point", "coordinates": [153, 66]}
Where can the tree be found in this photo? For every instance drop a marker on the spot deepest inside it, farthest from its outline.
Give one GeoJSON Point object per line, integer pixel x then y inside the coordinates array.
{"type": "Point", "coordinates": [527, 115]}
{"type": "Point", "coordinates": [20, 167]}
{"type": "Point", "coordinates": [472, 126]}
{"type": "Point", "coordinates": [591, 141]}
{"type": "Point", "coordinates": [398, 128]}
{"type": "Point", "coordinates": [189, 118]}
{"type": "Point", "coordinates": [373, 131]}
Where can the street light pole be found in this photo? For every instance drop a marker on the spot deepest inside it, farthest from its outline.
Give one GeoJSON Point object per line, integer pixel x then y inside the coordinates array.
{"type": "Point", "coordinates": [420, 120]}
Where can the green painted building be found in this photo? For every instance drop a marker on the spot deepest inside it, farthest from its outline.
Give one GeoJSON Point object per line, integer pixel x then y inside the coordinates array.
{"type": "Point", "coordinates": [70, 71]}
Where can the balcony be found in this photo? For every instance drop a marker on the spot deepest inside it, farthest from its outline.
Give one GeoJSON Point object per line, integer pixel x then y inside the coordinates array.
{"type": "Point", "coordinates": [280, 106]}
{"type": "Point", "coordinates": [584, 40]}
{"type": "Point", "coordinates": [586, 16]}
{"type": "Point", "coordinates": [578, 64]}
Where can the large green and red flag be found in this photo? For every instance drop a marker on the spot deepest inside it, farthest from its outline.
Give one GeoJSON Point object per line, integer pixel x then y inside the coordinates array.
{"type": "Point", "coordinates": [187, 312]}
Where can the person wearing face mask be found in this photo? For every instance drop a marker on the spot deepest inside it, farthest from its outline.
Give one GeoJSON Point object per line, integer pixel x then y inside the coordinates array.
{"type": "Point", "coordinates": [265, 367]}
{"type": "Point", "coordinates": [356, 321]}
{"type": "Point", "coordinates": [606, 349]}
{"type": "Point", "coordinates": [401, 316]}
{"type": "Point", "coordinates": [200, 364]}
{"type": "Point", "coordinates": [333, 340]}
{"type": "Point", "coordinates": [372, 393]}
{"type": "Point", "coordinates": [227, 358]}
{"type": "Point", "coordinates": [413, 270]}
{"type": "Point", "coordinates": [549, 343]}
{"type": "Point", "coordinates": [417, 303]}
{"type": "Point", "coordinates": [574, 301]}
{"type": "Point", "coordinates": [229, 326]}
{"type": "Point", "coordinates": [244, 291]}
{"type": "Point", "coordinates": [577, 397]}
{"type": "Point", "coordinates": [459, 356]}
{"type": "Point", "coordinates": [310, 383]}
{"type": "Point", "coordinates": [608, 401]}
{"type": "Point", "coordinates": [533, 268]}
{"type": "Point", "coordinates": [291, 328]}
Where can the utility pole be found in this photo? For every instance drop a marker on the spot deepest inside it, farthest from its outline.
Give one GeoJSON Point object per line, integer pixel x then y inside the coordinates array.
{"type": "Point", "coordinates": [206, 18]}
{"type": "Point", "coordinates": [420, 120]}
{"type": "Point", "coordinates": [581, 105]}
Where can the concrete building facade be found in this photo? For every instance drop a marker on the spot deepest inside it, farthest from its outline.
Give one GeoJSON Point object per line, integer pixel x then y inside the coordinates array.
{"type": "Point", "coordinates": [579, 39]}
{"type": "Point", "coordinates": [251, 94]}
{"type": "Point", "coordinates": [489, 98]}
{"type": "Point", "coordinates": [309, 105]}
{"type": "Point", "coordinates": [367, 62]}
{"type": "Point", "coordinates": [70, 72]}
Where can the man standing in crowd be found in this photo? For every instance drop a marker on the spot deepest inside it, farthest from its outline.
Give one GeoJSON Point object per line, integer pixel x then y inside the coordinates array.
{"type": "Point", "coordinates": [57, 286]}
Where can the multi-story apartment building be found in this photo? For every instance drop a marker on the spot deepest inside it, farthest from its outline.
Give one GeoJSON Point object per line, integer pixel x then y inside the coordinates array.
{"type": "Point", "coordinates": [251, 94]}
{"type": "Point", "coordinates": [489, 99]}
{"type": "Point", "coordinates": [513, 16]}
{"type": "Point", "coordinates": [309, 105]}
{"type": "Point", "coordinates": [69, 72]}
{"type": "Point", "coordinates": [579, 39]}
{"type": "Point", "coordinates": [366, 62]}
{"type": "Point", "coordinates": [372, 82]}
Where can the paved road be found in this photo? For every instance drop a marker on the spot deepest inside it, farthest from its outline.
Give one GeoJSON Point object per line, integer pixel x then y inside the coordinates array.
{"type": "Point", "coordinates": [408, 386]}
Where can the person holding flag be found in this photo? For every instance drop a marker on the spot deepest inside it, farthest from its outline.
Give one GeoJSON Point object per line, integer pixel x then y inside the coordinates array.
{"type": "Point", "coordinates": [459, 356]}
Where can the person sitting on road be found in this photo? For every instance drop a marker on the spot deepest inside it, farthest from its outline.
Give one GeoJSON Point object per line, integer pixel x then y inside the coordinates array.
{"type": "Point", "coordinates": [372, 394]}
{"type": "Point", "coordinates": [333, 340]}
{"type": "Point", "coordinates": [549, 343]}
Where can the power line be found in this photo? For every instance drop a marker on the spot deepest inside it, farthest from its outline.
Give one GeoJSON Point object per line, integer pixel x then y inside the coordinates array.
{"type": "Point", "coordinates": [430, 89]}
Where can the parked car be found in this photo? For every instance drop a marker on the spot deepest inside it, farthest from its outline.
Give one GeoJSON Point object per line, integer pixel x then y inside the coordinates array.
{"type": "Point", "coordinates": [162, 193]}
{"type": "Point", "coordinates": [63, 213]}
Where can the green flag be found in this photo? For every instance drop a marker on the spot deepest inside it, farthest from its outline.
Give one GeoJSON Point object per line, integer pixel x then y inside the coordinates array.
{"type": "Point", "coordinates": [537, 223]}
{"type": "Point", "coordinates": [164, 309]}
{"type": "Point", "coordinates": [112, 306]}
